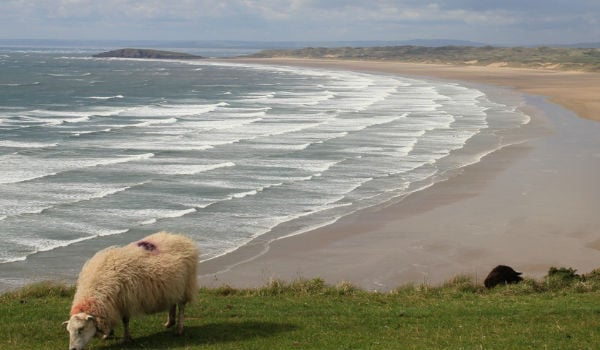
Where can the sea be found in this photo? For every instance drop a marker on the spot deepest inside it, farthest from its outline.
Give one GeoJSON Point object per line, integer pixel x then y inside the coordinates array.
{"type": "Point", "coordinates": [102, 151]}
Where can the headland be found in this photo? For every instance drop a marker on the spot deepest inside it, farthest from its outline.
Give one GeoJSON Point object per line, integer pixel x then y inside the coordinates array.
{"type": "Point", "coordinates": [147, 53]}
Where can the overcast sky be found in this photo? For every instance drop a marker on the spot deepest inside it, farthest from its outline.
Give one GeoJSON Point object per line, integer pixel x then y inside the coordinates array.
{"type": "Point", "coordinates": [504, 22]}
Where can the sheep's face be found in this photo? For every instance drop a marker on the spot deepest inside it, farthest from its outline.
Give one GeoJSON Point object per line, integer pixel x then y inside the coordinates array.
{"type": "Point", "coordinates": [81, 328]}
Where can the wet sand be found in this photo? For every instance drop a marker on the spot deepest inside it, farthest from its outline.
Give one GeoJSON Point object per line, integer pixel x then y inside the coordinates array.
{"type": "Point", "coordinates": [531, 205]}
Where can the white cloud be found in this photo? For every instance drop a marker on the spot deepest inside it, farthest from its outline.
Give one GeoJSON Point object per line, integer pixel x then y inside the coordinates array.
{"type": "Point", "coordinates": [481, 20]}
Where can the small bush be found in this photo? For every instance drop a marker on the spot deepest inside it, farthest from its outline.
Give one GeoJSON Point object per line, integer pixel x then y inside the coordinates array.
{"type": "Point", "coordinates": [563, 273]}
{"type": "Point", "coordinates": [561, 277]}
{"type": "Point", "coordinates": [593, 275]}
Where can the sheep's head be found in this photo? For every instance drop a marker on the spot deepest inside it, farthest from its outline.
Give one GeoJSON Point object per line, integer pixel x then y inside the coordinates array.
{"type": "Point", "coordinates": [81, 328]}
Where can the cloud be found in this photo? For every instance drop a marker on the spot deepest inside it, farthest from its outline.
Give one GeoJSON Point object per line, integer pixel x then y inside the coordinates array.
{"type": "Point", "coordinates": [482, 20]}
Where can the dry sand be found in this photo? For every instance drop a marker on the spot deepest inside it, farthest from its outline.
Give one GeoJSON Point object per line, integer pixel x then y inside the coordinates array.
{"type": "Point", "coordinates": [531, 206]}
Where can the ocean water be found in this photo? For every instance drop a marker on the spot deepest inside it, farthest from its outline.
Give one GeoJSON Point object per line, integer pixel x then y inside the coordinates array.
{"type": "Point", "coordinates": [97, 152]}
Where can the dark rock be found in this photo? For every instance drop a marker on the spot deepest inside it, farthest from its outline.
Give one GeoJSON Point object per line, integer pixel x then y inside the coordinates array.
{"type": "Point", "coordinates": [502, 274]}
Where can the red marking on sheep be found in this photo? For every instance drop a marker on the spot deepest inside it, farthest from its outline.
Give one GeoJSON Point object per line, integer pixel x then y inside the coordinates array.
{"type": "Point", "coordinates": [86, 306]}
{"type": "Point", "coordinates": [149, 246]}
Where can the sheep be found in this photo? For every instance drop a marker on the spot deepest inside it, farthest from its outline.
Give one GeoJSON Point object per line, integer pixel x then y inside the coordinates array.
{"type": "Point", "coordinates": [502, 274]}
{"type": "Point", "coordinates": [155, 274]}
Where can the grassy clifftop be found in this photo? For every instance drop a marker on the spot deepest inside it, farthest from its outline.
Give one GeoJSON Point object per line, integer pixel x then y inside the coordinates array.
{"type": "Point", "coordinates": [561, 312]}
{"type": "Point", "coordinates": [537, 57]}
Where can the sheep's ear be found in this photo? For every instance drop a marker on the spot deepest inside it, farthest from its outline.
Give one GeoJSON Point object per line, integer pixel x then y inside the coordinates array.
{"type": "Point", "coordinates": [65, 323]}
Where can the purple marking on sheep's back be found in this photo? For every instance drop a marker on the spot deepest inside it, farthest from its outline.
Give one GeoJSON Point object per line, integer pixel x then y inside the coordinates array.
{"type": "Point", "coordinates": [149, 246]}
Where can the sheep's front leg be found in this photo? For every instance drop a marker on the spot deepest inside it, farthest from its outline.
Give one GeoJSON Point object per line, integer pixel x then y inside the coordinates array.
{"type": "Point", "coordinates": [110, 335]}
{"type": "Point", "coordinates": [180, 317]}
{"type": "Point", "coordinates": [126, 335]}
{"type": "Point", "coordinates": [171, 320]}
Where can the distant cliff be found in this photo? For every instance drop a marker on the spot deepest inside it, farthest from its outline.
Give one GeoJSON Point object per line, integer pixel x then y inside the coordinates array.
{"type": "Point", "coordinates": [147, 53]}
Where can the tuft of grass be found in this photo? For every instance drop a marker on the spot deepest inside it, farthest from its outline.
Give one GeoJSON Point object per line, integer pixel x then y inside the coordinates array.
{"type": "Point", "coordinates": [43, 289]}
{"type": "Point", "coordinates": [277, 287]}
{"type": "Point", "coordinates": [462, 283]}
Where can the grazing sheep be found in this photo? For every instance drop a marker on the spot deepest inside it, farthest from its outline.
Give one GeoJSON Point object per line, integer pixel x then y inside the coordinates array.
{"type": "Point", "coordinates": [502, 274]}
{"type": "Point", "coordinates": [154, 274]}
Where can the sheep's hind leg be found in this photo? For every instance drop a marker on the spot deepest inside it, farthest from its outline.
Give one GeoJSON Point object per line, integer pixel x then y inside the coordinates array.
{"type": "Point", "coordinates": [180, 317]}
{"type": "Point", "coordinates": [171, 320]}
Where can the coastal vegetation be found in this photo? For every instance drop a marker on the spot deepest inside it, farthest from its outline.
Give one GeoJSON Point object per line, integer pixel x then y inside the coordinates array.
{"type": "Point", "coordinates": [562, 311]}
{"type": "Point", "coordinates": [529, 57]}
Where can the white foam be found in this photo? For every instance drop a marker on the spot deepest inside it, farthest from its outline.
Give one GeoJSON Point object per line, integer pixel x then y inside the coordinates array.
{"type": "Point", "coordinates": [69, 74]}
{"type": "Point", "coordinates": [40, 244]}
{"type": "Point", "coordinates": [149, 221]}
{"type": "Point", "coordinates": [281, 146]}
{"type": "Point", "coordinates": [88, 132]}
{"type": "Point", "coordinates": [120, 159]}
{"type": "Point", "coordinates": [159, 214]}
{"type": "Point", "coordinates": [177, 213]}
{"type": "Point", "coordinates": [222, 124]}
{"type": "Point", "coordinates": [151, 122]}
{"type": "Point", "coordinates": [57, 117]}
{"type": "Point", "coordinates": [259, 96]}
{"type": "Point", "coordinates": [163, 145]}
{"type": "Point", "coordinates": [26, 144]}
{"type": "Point", "coordinates": [37, 245]}
{"type": "Point", "coordinates": [20, 168]}
{"type": "Point", "coordinates": [190, 169]}
{"type": "Point", "coordinates": [173, 110]}
{"type": "Point", "coordinates": [10, 259]}
{"type": "Point", "coordinates": [75, 114]}
{"type": "Point", "coordinates": [244, 194]}
{"type": "Point", "coordinates": [103, 233]}
{"type": "Point", "coordinates": [20, 84]}
{"type": "Point", "coordinates": [308, 165]}
{"type": "Point", "coordinates": [106, 97]}
{"type": "Point", "coordinates": [59, 195]}
{"type": "Point", "coordinates": [287, 98]}
{"type": "Point", "coordinates": [109, 192]}
{"type": "Point", "coordinates": [12, 208]}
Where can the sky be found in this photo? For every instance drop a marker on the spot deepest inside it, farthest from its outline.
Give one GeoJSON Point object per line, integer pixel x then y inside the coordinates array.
{"type": "Point", "coordinates": [495, 22]}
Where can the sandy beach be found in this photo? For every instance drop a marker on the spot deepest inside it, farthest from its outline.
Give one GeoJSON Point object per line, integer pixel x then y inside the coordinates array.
{"type": "Point", "coordinates": [530, 206]}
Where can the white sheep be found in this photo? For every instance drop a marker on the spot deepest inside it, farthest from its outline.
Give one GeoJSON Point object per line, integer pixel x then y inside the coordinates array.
{"type": "Point", "coordinates": [154, 274]}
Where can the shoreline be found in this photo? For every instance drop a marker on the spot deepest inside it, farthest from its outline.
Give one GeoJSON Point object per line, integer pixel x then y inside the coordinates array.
{"type": "Point", "coordinates": [574, 90]}
{"type": "Point", "coordinates": [498, 211]}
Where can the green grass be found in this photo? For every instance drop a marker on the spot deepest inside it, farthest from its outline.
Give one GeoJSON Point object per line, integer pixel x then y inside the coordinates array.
{"type": "Point", "coordinates": [557, 313]}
